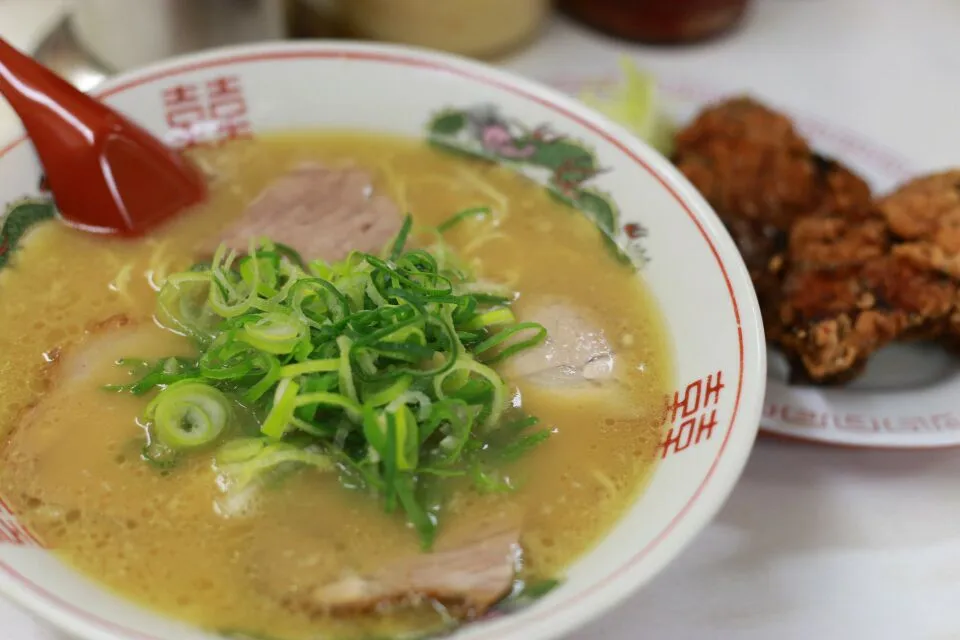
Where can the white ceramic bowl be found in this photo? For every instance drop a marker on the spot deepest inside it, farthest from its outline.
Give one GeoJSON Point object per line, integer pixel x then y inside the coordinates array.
{"type": "Point", "coordinates": [681, 249]}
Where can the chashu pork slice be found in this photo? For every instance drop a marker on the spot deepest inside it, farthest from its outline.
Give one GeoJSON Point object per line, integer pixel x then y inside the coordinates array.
{"type": "Point", "coordinates": [322, 212]}
{"type": "Point", "coordinates": [575, 354]}
{"type": "Point", "coordinates": [470, 570]}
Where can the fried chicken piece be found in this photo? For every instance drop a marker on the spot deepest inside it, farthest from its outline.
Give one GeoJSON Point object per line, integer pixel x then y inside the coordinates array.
{"type": "Point", "coordinates": [856, 282]}
{"type": "Point", "coordinates": [834, 318]}
{"type": "Point", "coordinates": [836, 241]}
{"type": "Point", "coordinates": [925, 206]}
{"type": "Point", "coordinates": [761, 176]}
{"type": "Point", "coordinates": [837, 274]}
{"type": "Point", "coordinates": [827, 319]}
{"type": "Point", "coordinates": [749, 162]}
{"type": "Point", "coordinates": [924, 215]}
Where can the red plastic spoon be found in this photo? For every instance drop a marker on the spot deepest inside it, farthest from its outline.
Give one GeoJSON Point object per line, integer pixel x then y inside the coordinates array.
{"type": "Point", "coordinates": [106, 173]}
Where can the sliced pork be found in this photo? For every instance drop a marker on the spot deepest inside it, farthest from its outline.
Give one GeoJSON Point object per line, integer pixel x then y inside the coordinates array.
{"type": "Point", "coordinates": [61, 470]}
{"type": "Point", "coordinates": [80, 363]}
{"type": "Point", "coordinates": [469, 578]}
{"type": "Point", "coordinates": [467, 573]}
{"type": "Point", "coordinates": [321, 212]}
{"type": "Point", "coordinates": [576, 353]}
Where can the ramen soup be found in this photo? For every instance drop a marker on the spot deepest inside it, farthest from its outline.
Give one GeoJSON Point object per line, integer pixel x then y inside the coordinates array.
{"type": "Point", "coordinates": [296, 412]}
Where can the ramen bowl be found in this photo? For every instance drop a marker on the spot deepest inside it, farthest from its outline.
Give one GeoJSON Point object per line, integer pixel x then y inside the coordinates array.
{"type": "Point", "coordinates": [646, 211]}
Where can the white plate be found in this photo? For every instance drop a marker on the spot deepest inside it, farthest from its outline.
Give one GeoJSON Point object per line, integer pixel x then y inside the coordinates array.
{"type": "Point", "coordinates": [909, 396]}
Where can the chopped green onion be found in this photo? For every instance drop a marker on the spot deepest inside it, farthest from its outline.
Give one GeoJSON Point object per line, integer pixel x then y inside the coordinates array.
{"type": "Point", "coordinates": [521, 447]}
{"type": "Point", "coordinates": [424, 521]}
{"type": "Point", "coordinates": [387, 395]}
{"type": "Point", "coordinates": [347, 385]}
{"type": "Point", "coordinates": [274, 333]}
{"type": "Point", "coordinates": [539, 335]}
{"type": "Point", "coordinates": [459, 217]}
{"type": "Point", "coordinates": [180, 304]}
{"type": "Point", "coordinates": [188, 414]}
{"type": "Point", "coordinates": [491, 318]}
{"type": "Point", "coordinates": [525, 593]}
{"type": "Point", "coordinates": [332, 400]}
{"type": "Point", "coordinates": [240, 450]}
{"type": "Point", "coordinates": [242, 465]}
{"type": "Point", "coordinates": [375, 430]}
{"type": "Point", "coordinates": [230, 294]}
{"type": "Point", "coordinates": [376, 365]}
{"type": "Point", "coordinates": [310, 366]}
{"type": "Point", "coordinates": [407, 443]}
{"type": "Point", "coordinates": [284, 404]}
{"type": "Point", "coordinates": [163, 372]}
{"type": "Point", "coordinates": [273, 373]}
{"type": "Point", "coordinates": [471, 366]}
{"type": "Point", "coordinates": [396, 248]}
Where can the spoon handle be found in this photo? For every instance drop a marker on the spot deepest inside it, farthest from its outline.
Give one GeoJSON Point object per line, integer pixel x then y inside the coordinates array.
{"type": "Point", "coordinates": [107, 174]}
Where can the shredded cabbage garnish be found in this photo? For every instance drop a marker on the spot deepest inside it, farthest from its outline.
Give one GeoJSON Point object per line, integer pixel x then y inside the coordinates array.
{"type": "Point", "coordinates": [635, 105]}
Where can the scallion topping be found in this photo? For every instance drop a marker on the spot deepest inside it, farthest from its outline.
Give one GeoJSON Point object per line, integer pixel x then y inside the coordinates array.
{"type": "Point", "coordinates": [379, 366]}
{"type": "Point", "coordinates": [188, 414]}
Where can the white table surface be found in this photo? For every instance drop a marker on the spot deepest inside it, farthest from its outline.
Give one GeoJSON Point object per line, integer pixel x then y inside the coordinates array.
{"type": "Point", "coordinates": [815, 543]}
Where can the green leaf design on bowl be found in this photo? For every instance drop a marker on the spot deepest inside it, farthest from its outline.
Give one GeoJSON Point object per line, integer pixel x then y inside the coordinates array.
{"type": "Point", "coordinates": [563, 165]}
{"type": "Point", "coordinates": [19, 219]}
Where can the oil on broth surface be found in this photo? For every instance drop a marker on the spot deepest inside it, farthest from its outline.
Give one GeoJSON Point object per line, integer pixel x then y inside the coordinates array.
{"type": "Point", "coordinates": [71, 468]}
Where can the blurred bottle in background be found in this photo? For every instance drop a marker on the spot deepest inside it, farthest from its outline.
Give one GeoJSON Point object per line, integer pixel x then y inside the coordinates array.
{"type": "Point", "coordinates": [124, 34]}
{"type": "Point", "coordinates": [476, 28]}
{"type": "Point", "coordinates": [98, 38]}
{"type": "Point", "coordinates": [102, 37]}
{"type": "Point", "coordinates": [659, 21]}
